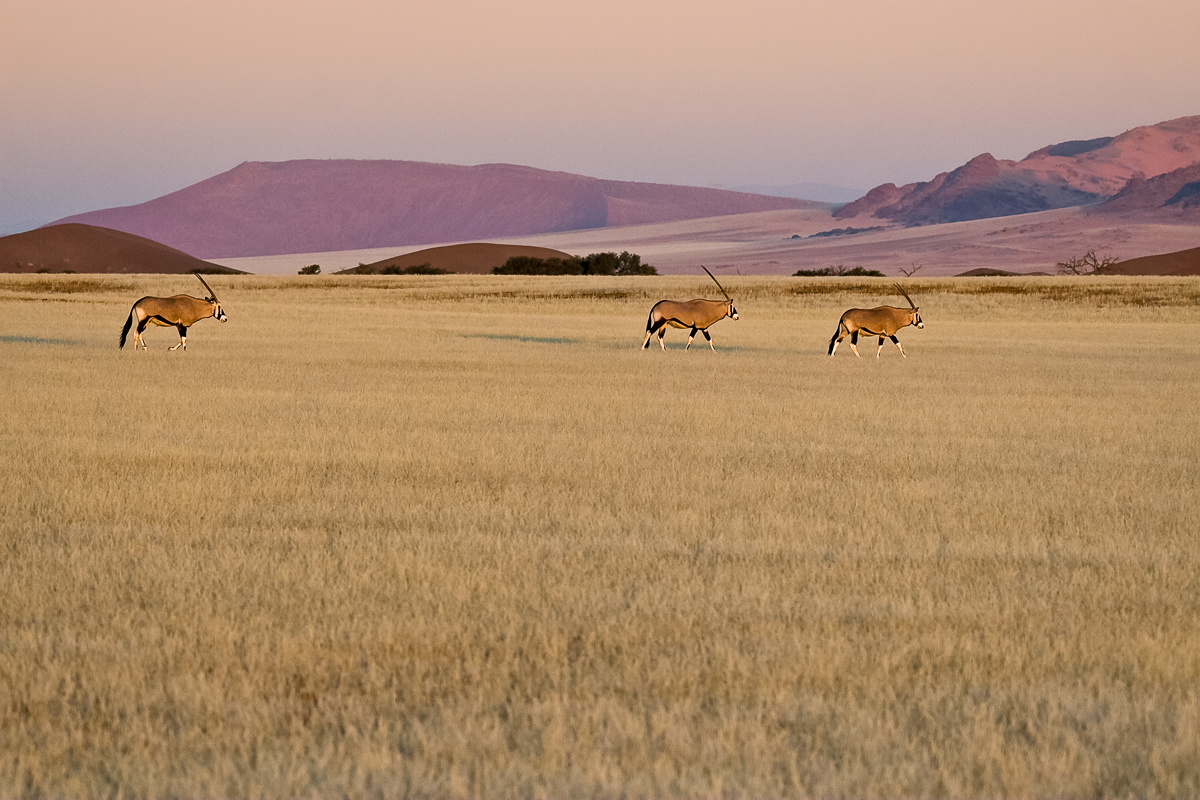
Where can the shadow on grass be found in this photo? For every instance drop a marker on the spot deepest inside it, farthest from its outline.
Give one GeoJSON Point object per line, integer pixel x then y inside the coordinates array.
{"type": "Point", "coordinates": [512, 337]}
{"type": "Point", "coordinates": [677, 346]}
{"type": "Point", "coordinates": [37, 340]}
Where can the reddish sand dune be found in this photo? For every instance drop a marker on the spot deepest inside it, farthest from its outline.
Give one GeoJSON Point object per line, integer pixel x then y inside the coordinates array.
{"type": "Point", "coordinates": [989, 272]}
{"type": "Point", "coordinates": [1183, 262]}
{"type": "Point", "coordinates": [86, 248]}
{"type": "Point", "coordinates": [476, 258]}
{"type": "Point", "coordinates": [319, 206]}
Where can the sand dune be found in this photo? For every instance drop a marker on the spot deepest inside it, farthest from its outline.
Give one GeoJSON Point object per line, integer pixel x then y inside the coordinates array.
{"type": "Point", "coordinates": [1183, 262]}
{"type": "Point", "coordinates": [86, 248]}
{"type": "Point", "coordinates": [477, 258]}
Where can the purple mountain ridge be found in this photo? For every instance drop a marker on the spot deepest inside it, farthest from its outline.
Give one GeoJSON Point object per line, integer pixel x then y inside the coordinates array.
{"type": "Point", "coordinates": [1071, 173]}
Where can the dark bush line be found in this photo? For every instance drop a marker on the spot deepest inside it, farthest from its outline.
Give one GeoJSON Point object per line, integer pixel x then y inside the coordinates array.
{"type": "Point", "coordinates": [838, 271]}
{"type": "Point", "coordinates": [595, 264]}
{"type": "Point", "coordinates": [415, 269]}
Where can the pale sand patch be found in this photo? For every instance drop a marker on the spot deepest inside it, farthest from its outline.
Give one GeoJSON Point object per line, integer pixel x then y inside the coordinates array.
{"type": "Point", "coordinates": [678, 246]}
{"type": "Point", "coordinates": [761, 244]}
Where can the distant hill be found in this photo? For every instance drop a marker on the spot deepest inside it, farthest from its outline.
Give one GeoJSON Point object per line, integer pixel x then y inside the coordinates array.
{"type": "Point", "coordinates": [990, 272]}
{"type": "Point", "coordinates": [477, 258]}
{"type": "Point", "coordinates": [1057, 176]}
{"type": "Point", "coordinates": [263, 208]}
{"type": "Point", "coordinates": [1182, 262]}
{"type": "Point", "coordinates": [86, 248]}
{"type": "Point", "coordinates": [1176, 193]}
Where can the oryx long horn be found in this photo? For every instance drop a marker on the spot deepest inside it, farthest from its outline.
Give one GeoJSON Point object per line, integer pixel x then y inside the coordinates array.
{"type": "Point", "coordinates": [718, 283]}
{"type": "Point", "coordinates": [906, 297]}
{"type": "Point", "coordinates": [206, 286]}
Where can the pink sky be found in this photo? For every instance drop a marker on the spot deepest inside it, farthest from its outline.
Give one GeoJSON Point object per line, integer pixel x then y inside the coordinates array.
{"type": "Point", "coordinates": [118, 102]}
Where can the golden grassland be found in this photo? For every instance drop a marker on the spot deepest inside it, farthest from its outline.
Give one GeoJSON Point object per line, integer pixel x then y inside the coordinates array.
{"type": "Point", "coordinates": [456, 536]}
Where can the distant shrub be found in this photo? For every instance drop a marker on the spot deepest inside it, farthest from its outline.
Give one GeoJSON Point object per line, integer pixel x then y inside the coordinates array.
{"type": "Point", "coordinates": [311, 269]}
{"type": "Point", "coordinates": [630, 264]}
{"type": "Point", "coordinates": [838, 271]}
{"type": "Point", "coordinates": [842, 232]}
{"type": "Point", "coordinates": [415, 269]}
{"type": "Point", "coordinates": [594, 264]}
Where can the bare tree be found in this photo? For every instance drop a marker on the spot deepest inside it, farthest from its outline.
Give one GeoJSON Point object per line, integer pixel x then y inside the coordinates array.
{"type": "Point", "coordinates": [909, 272]}
{"type": "Point", "coordinates": [1087, 264]}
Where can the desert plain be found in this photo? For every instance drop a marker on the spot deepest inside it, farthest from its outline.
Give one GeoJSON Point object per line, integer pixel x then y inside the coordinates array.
{"type": "Point", "coordinates": [460, 536]}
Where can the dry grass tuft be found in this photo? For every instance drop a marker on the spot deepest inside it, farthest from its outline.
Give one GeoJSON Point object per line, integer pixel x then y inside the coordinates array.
{"type": "Point", "coordinates": [461, 537]}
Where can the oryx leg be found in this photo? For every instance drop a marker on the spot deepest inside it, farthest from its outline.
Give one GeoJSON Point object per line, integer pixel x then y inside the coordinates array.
{"type": "Point", "coordinates": [182, 338]}
{"type": "Point", "coordinates": [691, 336]}
{"type": "Point", "coordinates": [137, 334]}
{"type": "Point", "coordinates": [709, 340]}
{"type": "Point", "coordinates": [662, 332]}
{"type": "Point", "coordinates": [880, 350]}
{"type": "Point", "coordinates": [896, 342]}
{"type": "Point", "coordinates": [854, 343]}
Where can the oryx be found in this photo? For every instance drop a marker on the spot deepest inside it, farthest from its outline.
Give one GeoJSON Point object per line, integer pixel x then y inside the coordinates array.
{"type": "Point", "coordinates": [695, 314]}
{"type": "Point", "coordinates": [182, 311]}
{"type": "Point", "coordinates": [881, 322]}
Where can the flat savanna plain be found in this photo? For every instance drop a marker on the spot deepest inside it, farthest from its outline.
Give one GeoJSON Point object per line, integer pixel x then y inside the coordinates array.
{"type": "Point", "coordinates": [457, 536]}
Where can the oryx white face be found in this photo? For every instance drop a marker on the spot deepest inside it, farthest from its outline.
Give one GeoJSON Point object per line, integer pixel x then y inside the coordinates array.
{"type": "Point", "coordinates": [218, 312]}
{"type": "Point", "coordinates": [732, 311]}
{"type": "Point", "coordinates": [917, 318]}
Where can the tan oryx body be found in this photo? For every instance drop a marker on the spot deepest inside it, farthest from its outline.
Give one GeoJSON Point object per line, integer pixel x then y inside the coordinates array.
{"type": "Point", "coordinates": [882, 322]}
{"type": "Point", "coordinates": [698, 315]}
{"type": "Point", "coordinates": [181, 311]}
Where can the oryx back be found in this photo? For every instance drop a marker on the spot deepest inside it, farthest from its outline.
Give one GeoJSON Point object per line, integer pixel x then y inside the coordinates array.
{"type": "Point", "coordinates": [698, 314]}
{"type": "Point", "coordinates": [881, 321]}
{"type": "Point", "coordinates": [180, 309]}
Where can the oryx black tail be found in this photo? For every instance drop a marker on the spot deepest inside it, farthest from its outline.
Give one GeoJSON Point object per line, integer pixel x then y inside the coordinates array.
{"type": "Point", "coordinates": [125, 330]}
{"type": "Point", "coordinates": [833, 342]}
{"type": "Point", "coordinates": [650, 326]}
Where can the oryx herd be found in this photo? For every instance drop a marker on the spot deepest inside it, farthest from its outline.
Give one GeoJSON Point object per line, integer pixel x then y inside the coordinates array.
{"type": "Point", "coordinates": [699, 315]}
{"type": "Point", "coordinates": [182, 311]}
